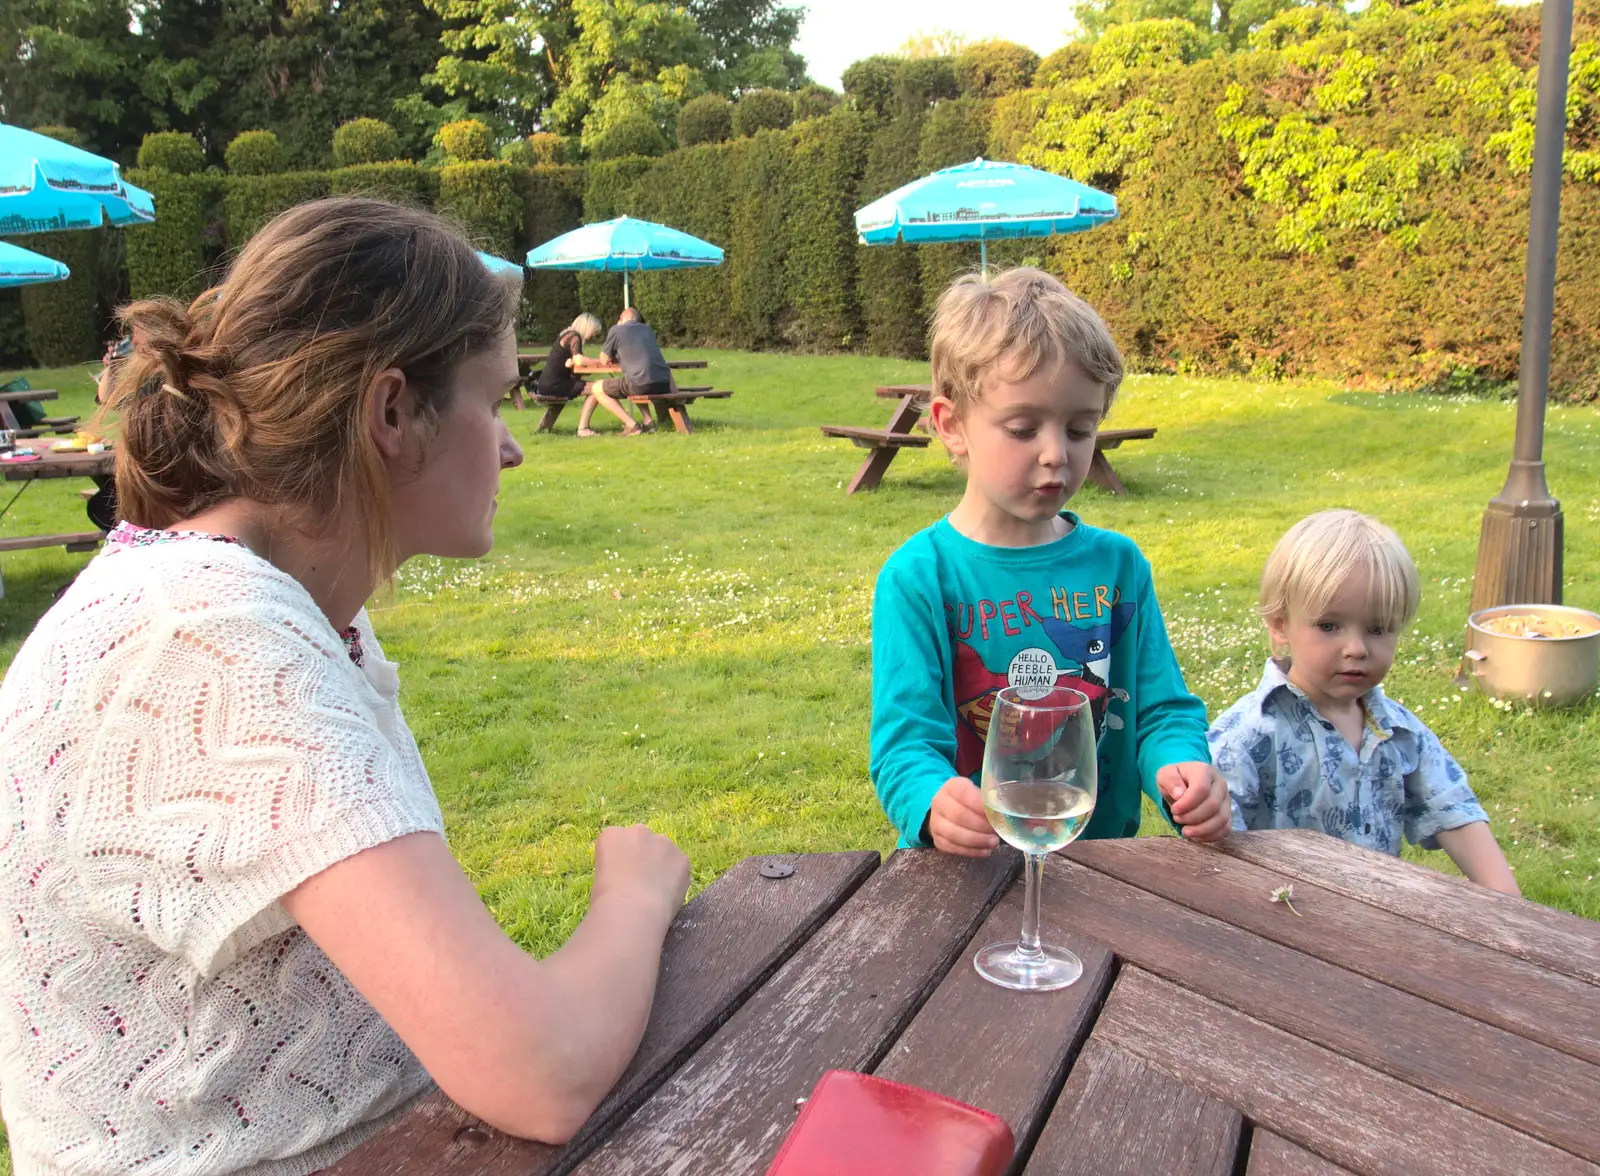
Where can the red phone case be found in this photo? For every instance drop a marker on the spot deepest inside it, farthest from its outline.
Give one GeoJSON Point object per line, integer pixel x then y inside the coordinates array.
{"type": "Point", "coordinates": [858, 1125]}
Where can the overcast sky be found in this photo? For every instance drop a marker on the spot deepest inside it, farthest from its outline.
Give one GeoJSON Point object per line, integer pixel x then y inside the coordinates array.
{"type": "Point", "coordinates": [837, 32]}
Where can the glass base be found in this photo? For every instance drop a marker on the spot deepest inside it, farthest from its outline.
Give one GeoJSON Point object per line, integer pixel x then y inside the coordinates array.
{"type": "Point", "coordinates": [1045, 971]}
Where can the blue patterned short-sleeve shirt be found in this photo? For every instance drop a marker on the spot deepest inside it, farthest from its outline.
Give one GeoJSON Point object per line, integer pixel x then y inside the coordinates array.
{"type": "Point", "coordinates": [1287, 767]}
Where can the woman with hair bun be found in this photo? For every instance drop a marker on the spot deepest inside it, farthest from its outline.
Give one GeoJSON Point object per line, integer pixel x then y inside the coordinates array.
{"type": "Point", "coordinates": [234, 938]}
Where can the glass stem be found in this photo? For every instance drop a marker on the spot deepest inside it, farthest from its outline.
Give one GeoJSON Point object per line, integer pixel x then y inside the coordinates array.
{"type": "Point", "coordinates": [1033, 878]}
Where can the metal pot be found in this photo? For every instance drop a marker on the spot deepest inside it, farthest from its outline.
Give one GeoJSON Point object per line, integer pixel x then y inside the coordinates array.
{"type": "Point", "coordinates": [1560, 671]}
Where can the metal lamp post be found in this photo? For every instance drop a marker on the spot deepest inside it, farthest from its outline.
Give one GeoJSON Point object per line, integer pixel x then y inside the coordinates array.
{"type": "Point", "coordinates": [1519, 547]}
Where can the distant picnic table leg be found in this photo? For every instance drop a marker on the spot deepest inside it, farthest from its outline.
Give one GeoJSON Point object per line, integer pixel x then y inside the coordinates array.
{"type": "Point", "coordinates": [516, 398]}
{"type": "Point", "coordinates": [680, 416]}
{"type": "Point", "coordinates": [551, 413]}
{"type": "Point", "coordinates": [871, 471]}
{"type": "Point", "coordinates": [1102, 475]}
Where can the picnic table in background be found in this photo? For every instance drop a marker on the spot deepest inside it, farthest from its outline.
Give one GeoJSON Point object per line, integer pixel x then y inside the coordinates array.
{"type": "Point", "coordinates": [99, 466]}
{"type": "Point", "coordinates": [10, 421]}
{"type": "Point", "coordinates": [1397, 1021]}
{"type": "Point", "coordinates": [907, 416]}
{"type": "Point", "coordinates": [675, 403]}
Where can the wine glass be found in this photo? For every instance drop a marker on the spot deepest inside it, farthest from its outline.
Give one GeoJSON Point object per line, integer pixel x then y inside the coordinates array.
{"type": "Point", "coordinates": [1039, 785]}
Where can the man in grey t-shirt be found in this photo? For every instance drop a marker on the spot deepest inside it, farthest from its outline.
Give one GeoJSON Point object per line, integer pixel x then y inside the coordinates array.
{"type": "Point", "coordinates": [632, 346]}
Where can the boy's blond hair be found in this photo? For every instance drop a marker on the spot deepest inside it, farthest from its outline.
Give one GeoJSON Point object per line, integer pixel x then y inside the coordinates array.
{"type": "Point", "coordinates": [1014, 325]}
{"type": "Point", "coordinates": [1318, 553]}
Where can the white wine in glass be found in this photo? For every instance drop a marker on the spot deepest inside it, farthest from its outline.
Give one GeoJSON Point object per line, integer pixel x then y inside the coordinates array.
{"type": "Point", "coordinates": [1039, 787]}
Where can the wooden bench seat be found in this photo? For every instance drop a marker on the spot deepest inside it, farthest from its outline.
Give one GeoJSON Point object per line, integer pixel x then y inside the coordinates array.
{"type": "Point", "coordinates": [72, 541]}
{"type": "Point", "coordinates": [876, 438]}
{"type": "Point", "coordinates": [673, 403]}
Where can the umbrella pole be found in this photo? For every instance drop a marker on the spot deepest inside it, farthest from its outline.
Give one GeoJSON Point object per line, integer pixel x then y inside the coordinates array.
{"type": "Point", "coordinates": [625, 302]}
{"type": "Point", "coordinates": [983, 256]}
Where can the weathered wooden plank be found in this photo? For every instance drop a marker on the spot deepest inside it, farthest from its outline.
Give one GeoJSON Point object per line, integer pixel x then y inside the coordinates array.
{"type": "Point", "coordinates": [1273, 1155]}
{"type": "Point", "coordinates": [1487, 985]}
{"type": "Point", "coordinates": [1519, 1082]}
{"type": "Point", "coordinates": [1550, 938]}
{"type": "Point", "coordinates": [838, 1004]}
{"type": "Point", "coordinates": [721, 947]}
{"type": "Point", "coordinates": [1367, 1122]}
{"type": "Point", "coordinates": [1121, 1117]}
{"type": "Point", "coordinates": [1004, 1051]}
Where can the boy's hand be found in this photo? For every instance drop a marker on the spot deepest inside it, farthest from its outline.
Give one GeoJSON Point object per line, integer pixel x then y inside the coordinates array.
{"type": "Point", "coordinates": [1197, 794]}
{"type": "Point", "coordinates": [957, 822]}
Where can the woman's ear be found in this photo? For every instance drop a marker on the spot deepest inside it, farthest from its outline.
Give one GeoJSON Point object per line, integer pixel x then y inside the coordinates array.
{"type": "Point", "coordinates": [948, 424]}
{"type": "Point", "coordinates": [390, 411]}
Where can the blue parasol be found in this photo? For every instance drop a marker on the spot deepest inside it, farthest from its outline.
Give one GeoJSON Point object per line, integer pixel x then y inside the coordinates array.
{"type": "Point", "coordinates": [984, 201]}
{"type": "Point", "coordinates": [47, 186]}
{"type": "Point", "coordinates": [499, 265]}
{"type": "Point", "coordinates": [624, 246]}
{"type": "Point", "coordinates": [19, 267]}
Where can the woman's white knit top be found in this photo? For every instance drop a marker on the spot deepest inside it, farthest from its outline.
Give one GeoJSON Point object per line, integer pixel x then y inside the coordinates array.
{"type": "Point", "coordinates": [184, 739]}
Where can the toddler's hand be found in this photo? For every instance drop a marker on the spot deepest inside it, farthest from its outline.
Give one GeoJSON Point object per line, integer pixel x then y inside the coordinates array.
{"type": "Point", "coordinates": [1197, 794]}
{"type": "Point", "coordinates": [957, 822]}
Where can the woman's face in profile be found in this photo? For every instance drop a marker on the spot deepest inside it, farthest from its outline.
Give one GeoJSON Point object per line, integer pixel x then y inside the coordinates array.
{"type": "Point", "coordinates": [448, 508]}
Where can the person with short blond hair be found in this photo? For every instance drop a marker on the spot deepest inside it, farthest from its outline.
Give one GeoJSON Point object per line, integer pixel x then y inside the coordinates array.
{"type": "Point", "coordinates": [1010, 589]}
{"type": "Point", "coordinates": [1318, 744]}
{"type": "Point", "coordinates": [558, 377]}
{"type": "Point", "coordinates": [234, 936]}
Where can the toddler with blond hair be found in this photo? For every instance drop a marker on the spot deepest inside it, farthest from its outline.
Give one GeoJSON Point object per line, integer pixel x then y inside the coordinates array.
{"type": "Point", "coordinates": [1318, 745]}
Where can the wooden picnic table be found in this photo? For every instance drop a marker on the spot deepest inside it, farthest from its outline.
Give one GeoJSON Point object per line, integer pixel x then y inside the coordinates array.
{"type": "Point", "coordinates": [8, 415]}
{"type": "Point", "coordinates": [898, 434]}
{"type": "Point", "coordinates": [1402, 1022]}
{"type": "Point", "coordinates": [99, 466]}
{"type": "Point", "coordinates": [676, 404]}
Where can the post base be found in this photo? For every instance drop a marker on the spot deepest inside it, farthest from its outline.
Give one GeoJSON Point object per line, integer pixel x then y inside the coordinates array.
{"type": "Point", "coordinates": [1519, 554]}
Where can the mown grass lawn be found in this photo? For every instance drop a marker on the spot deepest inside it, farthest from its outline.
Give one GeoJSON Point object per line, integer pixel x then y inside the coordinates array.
{"type": "Point", "coordinates": [676, 629]}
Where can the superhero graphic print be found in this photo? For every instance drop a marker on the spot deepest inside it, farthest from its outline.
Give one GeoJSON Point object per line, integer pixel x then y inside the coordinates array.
{"type": "Point", "coordinates": [1053, 652]}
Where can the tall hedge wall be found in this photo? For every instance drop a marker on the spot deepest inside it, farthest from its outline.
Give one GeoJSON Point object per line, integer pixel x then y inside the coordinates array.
{"type": "Point", "coordinates": [62, 318]}
{"type": "Point", "coordinates": [889, 277]}
{"type": "Point", "coordinates": [552, 204]}
{"type": "Point", "coordinates": [249, 202]}
{"type": "Point", "coordinates": [481, 195]}
{"type": "Point", "coordinates": [169, 256]}
{"type": "Point", "coordinates": [609, 192]}
{"type": "Point", "coordinates": [1345, 197]}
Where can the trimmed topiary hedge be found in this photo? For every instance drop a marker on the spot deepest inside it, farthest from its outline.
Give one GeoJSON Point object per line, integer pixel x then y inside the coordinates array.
{"type": "Point", "coordinates": [366, 140]}
{"type": "Point", "coordinates": [633, 134]}
{"type": "Point", "coordinates": [169, 257]}
{"type": "Point", "coordinates": [706, 119]}
{"type": "Point", "coordinates": [761, 110]}
{"type": "Point", "coordinates": [249, 202]}
{"type": "Point", "coordinates": [255, 153]}
{"type": "Point", "coordinates": [993, 69]}
{"type": "Point", "coordinates": [172, 151]}
{"type": "Point", "coordinates": [465, 141]}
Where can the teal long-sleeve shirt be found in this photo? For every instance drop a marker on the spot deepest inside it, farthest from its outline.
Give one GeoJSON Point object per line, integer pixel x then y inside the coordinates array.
{"type": "Point", "coordinates": [953, 620]}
